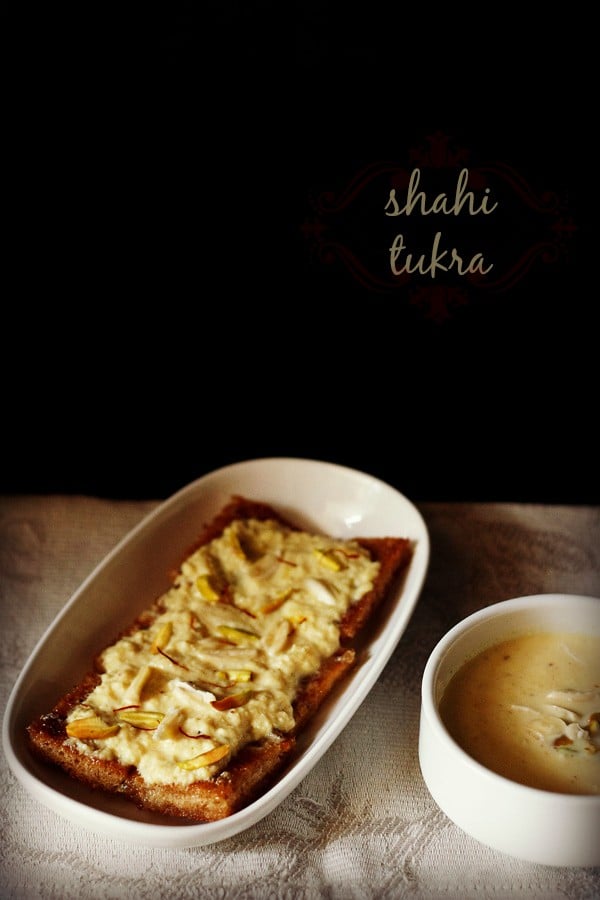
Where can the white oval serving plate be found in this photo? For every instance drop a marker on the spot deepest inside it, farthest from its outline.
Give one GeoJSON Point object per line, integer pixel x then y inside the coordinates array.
{"type": "Point", "coordinates": [315, 495]}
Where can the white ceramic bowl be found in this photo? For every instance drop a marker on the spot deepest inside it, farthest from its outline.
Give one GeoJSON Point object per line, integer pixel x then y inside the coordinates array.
{"type": "Point", "coordinates": [536, 825]}
{"type": "Point", "coordinates": [316, 495]}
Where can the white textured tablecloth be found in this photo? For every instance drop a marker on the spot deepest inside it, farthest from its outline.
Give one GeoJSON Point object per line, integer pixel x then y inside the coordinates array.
{"type": "Point", "coordinates": [362, 824]}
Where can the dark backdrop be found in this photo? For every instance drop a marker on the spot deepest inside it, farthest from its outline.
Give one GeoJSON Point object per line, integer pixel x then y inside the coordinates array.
{"type": "Point", "coordinates": [196, 255]}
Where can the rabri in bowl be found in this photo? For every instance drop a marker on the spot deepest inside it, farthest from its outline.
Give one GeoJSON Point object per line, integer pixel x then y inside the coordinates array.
{"type": "Point", "coordinates": [509, 742]}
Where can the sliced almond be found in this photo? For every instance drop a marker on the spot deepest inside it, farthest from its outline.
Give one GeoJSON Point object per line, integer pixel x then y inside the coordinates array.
{"type": "Point", "coordinates": [320, 591]}
{"type": "Point", "coordinates": [567, 715]}
{"type": "Point", "coordinates": [277, 637]}
{"type": "Point", "coordinates": [548, 726]}
{"type": "Point", "coordinates": [134, 691]}
{"type": "Point", "coordinates": [265, 567]}
{"type": "Point", "coordinates": [169, 725]}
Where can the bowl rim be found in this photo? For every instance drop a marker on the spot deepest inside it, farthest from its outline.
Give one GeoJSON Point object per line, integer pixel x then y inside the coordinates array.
{"type": "Point", "coordinates": [430, 708]}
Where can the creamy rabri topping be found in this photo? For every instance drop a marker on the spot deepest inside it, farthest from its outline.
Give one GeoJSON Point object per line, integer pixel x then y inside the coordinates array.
{"type": "Point", "coordinates": [529, 709]}
{"type": "Point", "coordinates": [249, 616]}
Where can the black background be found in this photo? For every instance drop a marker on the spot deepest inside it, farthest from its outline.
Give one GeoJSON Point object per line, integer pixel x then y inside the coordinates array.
{"type": "Point", "coordinates": [162, 312]}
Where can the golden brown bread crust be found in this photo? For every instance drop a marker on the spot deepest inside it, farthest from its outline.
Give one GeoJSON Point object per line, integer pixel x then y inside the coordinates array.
{"type": "Point", "coordinates": [251, 771]}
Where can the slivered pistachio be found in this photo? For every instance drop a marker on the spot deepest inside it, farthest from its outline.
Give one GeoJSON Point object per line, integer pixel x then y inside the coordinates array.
{"type": "Point", "coordinates": [328, 559]}
{"type": "Point", "coordinates": [163, 636]}
{"type": "Point", "coordinates": [236, 635]}
{"type": "Point", "coordinates": [276, 602]}
{"type": "Point", "coordinates": [232, 701]}
{"type": "Point", "coordinates": [146, 719]}
{"type": "Point", "coordinates": [206, 586]}
{"type": "Point", "coordinates": [237, 676]}
{"type": "Point", "coordinates": [91, 728]}
{"type": "Point", "coordinates": [205, 759]}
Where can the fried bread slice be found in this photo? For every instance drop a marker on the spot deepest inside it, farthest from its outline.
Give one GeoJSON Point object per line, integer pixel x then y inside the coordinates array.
{"type": "Point", "coordinates": [194, 710]}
